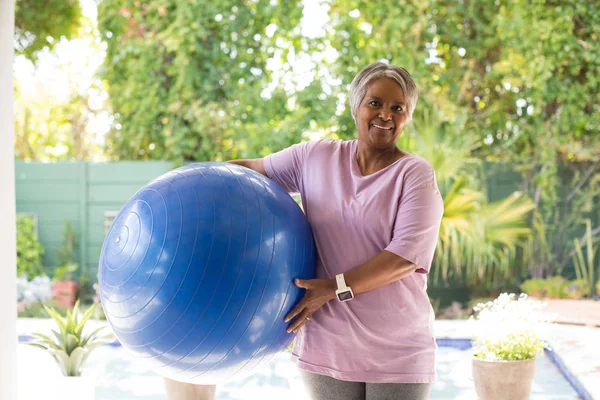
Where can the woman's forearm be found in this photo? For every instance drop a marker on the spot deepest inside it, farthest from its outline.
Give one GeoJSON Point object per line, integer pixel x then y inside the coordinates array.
{"type": "Point", "coordinates": [255, 164]}
{"type": "Point", "coordinates": [383, 269]}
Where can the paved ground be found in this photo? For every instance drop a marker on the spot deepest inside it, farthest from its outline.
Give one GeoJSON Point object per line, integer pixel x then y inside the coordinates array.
{"type": "Point", "coordinates": [576, 345]}
{"type": "Point", "coordinates": [577, 312]}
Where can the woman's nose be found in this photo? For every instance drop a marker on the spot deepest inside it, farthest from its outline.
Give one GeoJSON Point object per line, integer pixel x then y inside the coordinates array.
{"type": "Point", "coordinates": [385, 115]}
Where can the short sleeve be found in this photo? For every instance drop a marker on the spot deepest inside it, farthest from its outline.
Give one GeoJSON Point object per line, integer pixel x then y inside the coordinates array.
{"type": "Point", "coordinates": [285, 167]}
{"type": "Point", "coordinates": [417, 225]}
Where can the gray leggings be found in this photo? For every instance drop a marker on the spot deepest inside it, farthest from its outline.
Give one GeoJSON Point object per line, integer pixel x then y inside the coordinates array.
{"type": "Point", "coordinates": [322, 387]}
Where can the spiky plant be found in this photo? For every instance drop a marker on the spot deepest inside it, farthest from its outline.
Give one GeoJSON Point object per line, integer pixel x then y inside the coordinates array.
{"type": "Point", "coordinates": [478, 240]}
{"type": "Point", "coordinates": [586, 267]}
{"type": "Point", "coordinates": [70, 347]}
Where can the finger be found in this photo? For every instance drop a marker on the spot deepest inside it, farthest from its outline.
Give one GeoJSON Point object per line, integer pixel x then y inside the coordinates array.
{"type": "Point", "coordinates": [301, 283]}
{"type": "Point", "coordinates": [299, 322]}
{"type": "Point", "coordinates": [303, 322]}
{"type": "Point", "coordinates": [295, 311]}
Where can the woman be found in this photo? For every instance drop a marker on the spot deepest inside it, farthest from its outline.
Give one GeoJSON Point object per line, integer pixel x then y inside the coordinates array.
{"type": "Point", "coordinates": [375, 212]}
{"type": "Point", "coordinates": [365, 324]}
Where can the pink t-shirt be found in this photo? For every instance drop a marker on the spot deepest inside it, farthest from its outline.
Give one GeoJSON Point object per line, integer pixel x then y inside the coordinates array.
{"type": "Point", "coordinates": [384, 335]}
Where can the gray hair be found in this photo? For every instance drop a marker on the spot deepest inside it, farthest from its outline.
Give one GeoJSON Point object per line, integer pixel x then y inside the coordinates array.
{"type": "Point", "coordinates": [378, 70]}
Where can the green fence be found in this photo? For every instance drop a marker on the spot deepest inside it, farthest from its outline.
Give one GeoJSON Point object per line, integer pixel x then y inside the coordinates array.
{"type": "Point", "coordinates": [88, 195]}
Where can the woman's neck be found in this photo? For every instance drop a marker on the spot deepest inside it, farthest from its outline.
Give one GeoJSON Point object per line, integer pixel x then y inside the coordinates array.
{"type": "Point", "coordinates": [371, 160]}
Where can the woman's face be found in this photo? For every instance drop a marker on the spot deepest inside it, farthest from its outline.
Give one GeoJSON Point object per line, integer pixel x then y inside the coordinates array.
{"type": "Point", "coordinates": [382, 114]}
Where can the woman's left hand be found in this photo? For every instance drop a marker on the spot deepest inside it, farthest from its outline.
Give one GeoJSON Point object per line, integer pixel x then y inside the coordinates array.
{"type": "Point", "coordinates": [318, 292]}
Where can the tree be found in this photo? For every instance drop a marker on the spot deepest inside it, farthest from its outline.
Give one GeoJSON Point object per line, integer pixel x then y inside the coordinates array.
{"type": "Point", "coordinates": [525, 75]}
{"type": "Point", "coordinates": [189, 80]}
{"type": "Point", "coordinates": [41, 25]}
{"type": "Point", "coordinates": [521, 70]}
{"type": "Point", "coordinates": [58, 99]}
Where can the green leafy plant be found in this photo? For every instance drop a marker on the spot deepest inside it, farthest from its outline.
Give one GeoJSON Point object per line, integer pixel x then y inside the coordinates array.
{"type": "Point", "coordinates": [29, 248]}
{"type": "Point", "coordinates": [565, 194]}
{"type": "Point", "coordinates": [70, 347]}
{"type": "Point", "coordinates": [575, 289]}
{"type": "Point", "coordinates": [65, 272]}
{"type": "Point", "coordinates": [33, 311]}
{"type": "Point", "coordinates": [509, 328]}
{"type": "Point", "coordinates": [38, 26]}
{"type": "Point", "coordinates": [585, 266]}
{"type": "Point", "coordinates": [555, 287]}
{"type": "Point", "coordinates": [66, 255]}
{"type": "Point", "coordinates": [478, 240]}
{"type": "Point", "coordinates": [544, 288]}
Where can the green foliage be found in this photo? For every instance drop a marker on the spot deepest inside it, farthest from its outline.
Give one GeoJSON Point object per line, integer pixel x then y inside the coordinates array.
{"type": "Point", "coordinates": [39, 24]}
{"type": "Point", "coordinates": [70, 347]}
{"type": "Point", "coordinates": [575, 289]}
{"type": "Point", "coordinates": [29, 249]}
{"type": "Point", "coordinates": [565, 194]}
{"type": "Point", "coordinates": [35, 310]}
{"type": "Point", "coordinates": [514, 347]}
{"type": "Point", "coordinates": [555, 287]}
{"type": "Point", "coordinates": [544, 288]}
{"type": "Point", "coordinates": [524, 72]}
{"type": "Point", "coordinates": [515, 74]}
{"type": "Point", "coordinates": [186, 78]}
{"type": "Point", "coordinates": [585, 266]}
{"type": "Point", "coordinates": [48, 129]}
{"type": "Point", "coordinates": [59, 101]}
{"type": "Point", "coordinates": [66, 254]}
{"type": "Point", "coordinates": [65, 272]}
{"type": "Point", "coordinates": [200, 80]}
{"type": "Point", "coordinates": [478, 240]}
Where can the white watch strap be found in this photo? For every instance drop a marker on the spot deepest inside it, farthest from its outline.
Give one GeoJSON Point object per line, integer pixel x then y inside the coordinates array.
{"type": "Point", "coordinates": [341, 282]}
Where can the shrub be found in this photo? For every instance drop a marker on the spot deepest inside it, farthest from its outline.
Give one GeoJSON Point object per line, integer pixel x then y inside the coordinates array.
{"type": "Point", "coordinates": [551, 288]}
{"type": "Point", "coordinates": [29, 249]}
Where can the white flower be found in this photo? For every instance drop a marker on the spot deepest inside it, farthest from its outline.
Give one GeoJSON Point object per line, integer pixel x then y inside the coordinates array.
{"type": "Point", "coordinates": [509, 328]}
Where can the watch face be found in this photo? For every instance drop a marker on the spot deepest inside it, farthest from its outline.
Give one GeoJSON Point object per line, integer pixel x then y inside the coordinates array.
{"type": "Point", "coordinates": [343, 296]}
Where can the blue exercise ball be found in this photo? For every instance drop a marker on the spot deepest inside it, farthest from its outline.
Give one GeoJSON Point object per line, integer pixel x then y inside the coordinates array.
{"type": "Point", "coordinates": [197, 271]}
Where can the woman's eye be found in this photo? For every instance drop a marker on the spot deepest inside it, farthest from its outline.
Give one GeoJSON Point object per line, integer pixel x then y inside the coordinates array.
{"type": "Point", "coordinates": [374, 103]}
{"type": "Point", "coordinates": [398, 109]}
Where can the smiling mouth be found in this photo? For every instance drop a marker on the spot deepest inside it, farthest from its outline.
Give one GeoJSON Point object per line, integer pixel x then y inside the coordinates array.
{"type": "Point", "coordinates": [385, 128]}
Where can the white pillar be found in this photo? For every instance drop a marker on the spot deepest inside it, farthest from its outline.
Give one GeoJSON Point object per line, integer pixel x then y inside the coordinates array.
{"type": "Point", "coordinates": [8, 269]}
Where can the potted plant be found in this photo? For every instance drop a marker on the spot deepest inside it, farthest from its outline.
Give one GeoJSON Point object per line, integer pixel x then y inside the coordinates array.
{"type": "Point", "coordinates": [70, 347]}
{"type": "Point", "coordinates": [508, 336]}
{"type": "Point", "coordinates": [64, 286]}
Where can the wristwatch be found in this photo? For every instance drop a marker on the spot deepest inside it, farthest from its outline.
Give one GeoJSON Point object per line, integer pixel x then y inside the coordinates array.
{"type": "Point", "coordinates": [343, 292]}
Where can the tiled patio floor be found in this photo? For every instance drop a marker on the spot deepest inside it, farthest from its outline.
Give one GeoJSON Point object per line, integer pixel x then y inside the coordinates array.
{"type": "Point", "coordinates": [576, 345]}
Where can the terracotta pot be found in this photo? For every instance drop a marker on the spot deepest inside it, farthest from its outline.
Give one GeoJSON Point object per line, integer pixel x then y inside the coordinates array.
{"type": "Point", "coordinates": [498, 380]}
{"type": "Point", "coordinates": [65, 293]}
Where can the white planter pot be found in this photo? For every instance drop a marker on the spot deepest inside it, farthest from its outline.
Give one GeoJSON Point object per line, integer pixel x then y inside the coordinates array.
{"type": "Point", "coordinates": [499, 380]}
{"type": "Point", "coordinates": [77, 388]}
